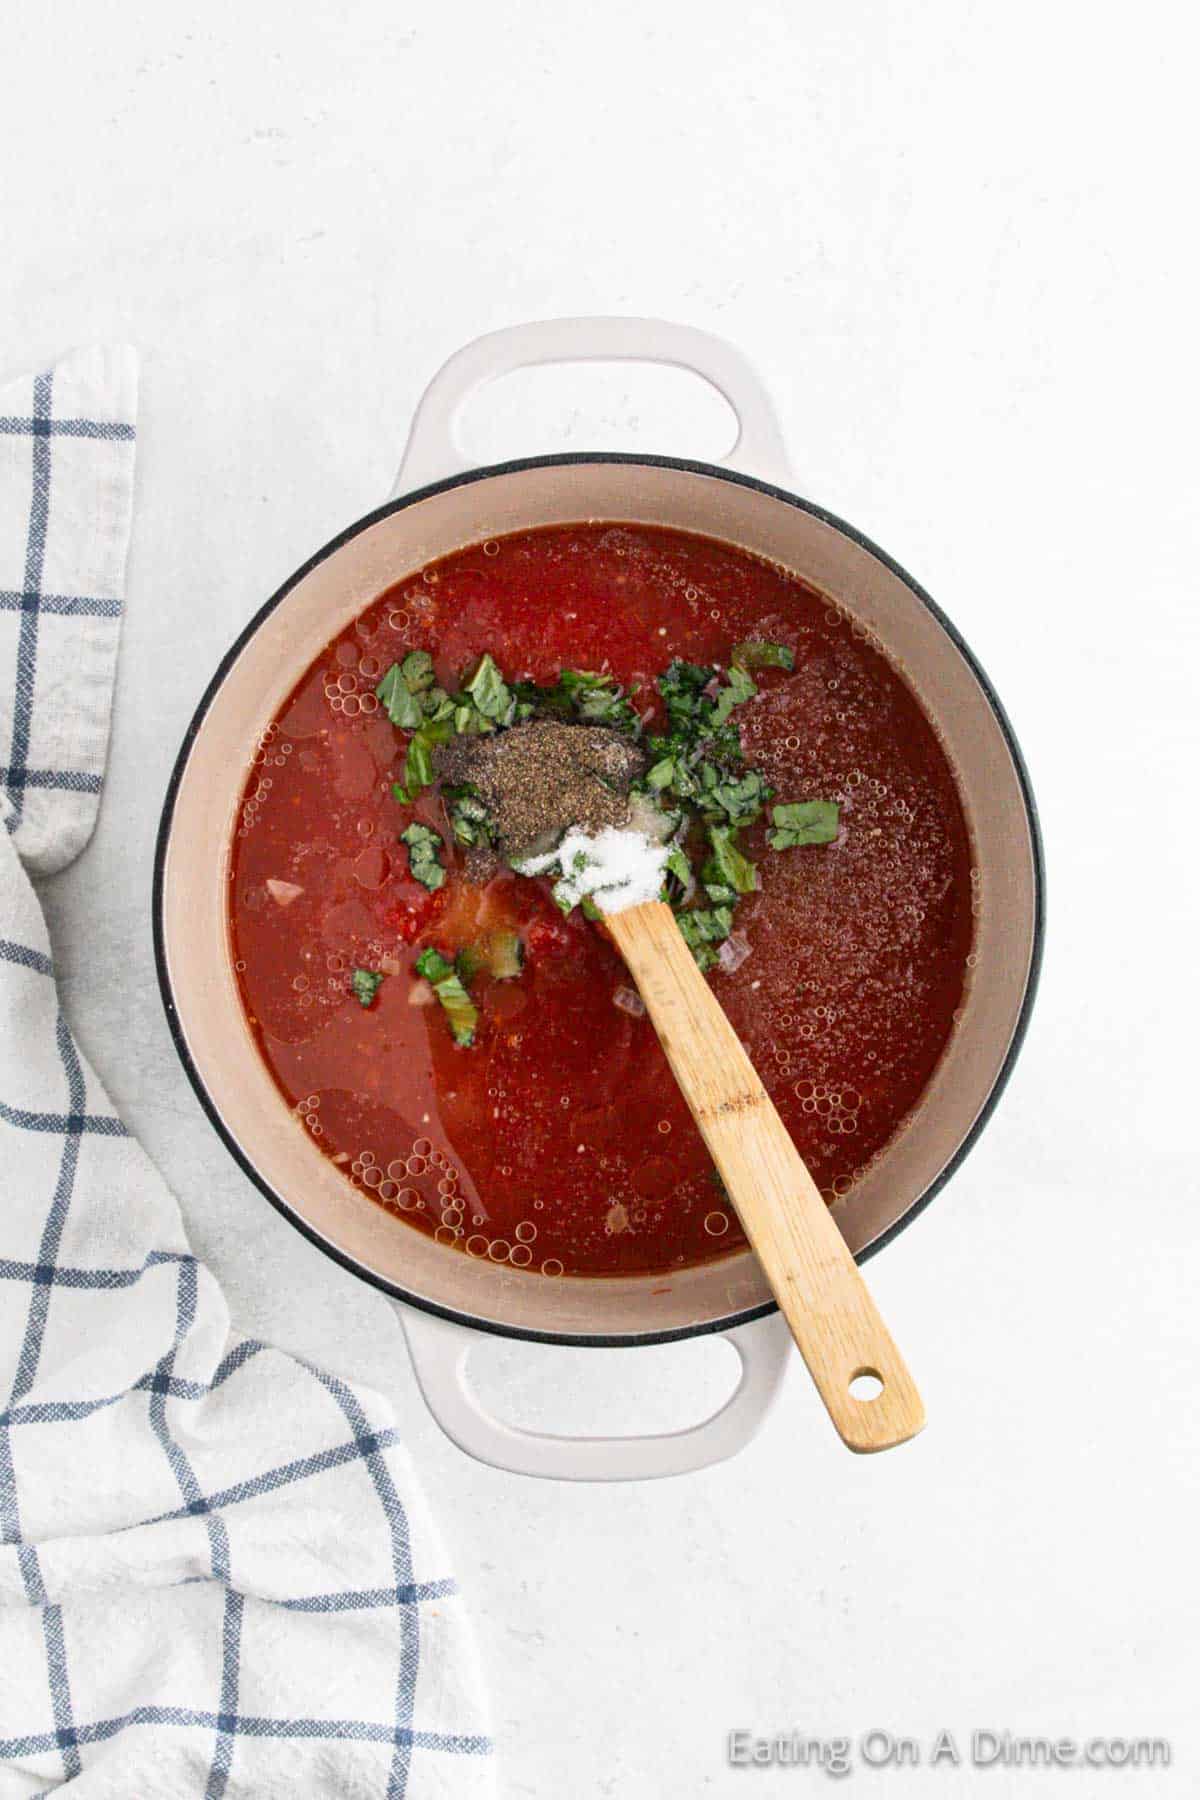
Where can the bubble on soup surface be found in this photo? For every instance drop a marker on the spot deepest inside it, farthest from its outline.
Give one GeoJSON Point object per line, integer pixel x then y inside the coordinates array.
{"type": "Point", "coordinates": [520, 1257]}
{"type": "Point", "coordinates": [407, 1199]}
{"type": "Point", "coordinates": [525, 1232]}
{"type": "Point", "coordinates": [552, 1266]}
{"type": "Point", "coordinates": [477, 1245]}
{"type": "Point", "coordinates": [716, 1224]}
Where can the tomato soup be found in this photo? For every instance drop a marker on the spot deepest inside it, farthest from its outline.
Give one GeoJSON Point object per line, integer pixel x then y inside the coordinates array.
{"type": "Point", "coordinates": [557, 1141]}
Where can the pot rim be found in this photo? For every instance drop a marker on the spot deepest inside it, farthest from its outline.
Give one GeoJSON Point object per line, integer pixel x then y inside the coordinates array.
{"type": "Point", "coordinates": [516, 465]}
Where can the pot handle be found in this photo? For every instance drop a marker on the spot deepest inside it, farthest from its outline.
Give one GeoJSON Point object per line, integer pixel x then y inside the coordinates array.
{"type": "Point", "coordinates": [440, 1348]}
{"type": "Point", "coordinates": [433, 451]}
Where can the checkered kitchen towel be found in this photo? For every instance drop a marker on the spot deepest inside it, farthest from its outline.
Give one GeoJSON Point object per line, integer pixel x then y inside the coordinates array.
{"type": "Point", "coordinates": [216, 1574]}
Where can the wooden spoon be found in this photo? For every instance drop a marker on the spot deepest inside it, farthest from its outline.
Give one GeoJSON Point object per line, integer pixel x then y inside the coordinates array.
{"type": "Point", "coordinates": [811, 1273]}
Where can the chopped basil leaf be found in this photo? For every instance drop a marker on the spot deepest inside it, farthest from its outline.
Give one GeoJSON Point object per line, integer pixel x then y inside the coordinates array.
{"type": "Point", "coordinates": [661, 775]}
{"type": "Point", "coordinates": [423, 847]}
{"type": "Point", "coordinates": [403, 691]}
{"type": "Point", "coordinates": [418, 764]}
{"type": "Point", "coordinates": [803, 822]}
{"type": "Point", "coordinates": [581, 694]}
{"type": "Point", "coordinates": [755, 654]}
{"type": "Point", "coordinates": [740, 688]}
{"type": "Point", "coordinates": [461, 1014]}
{"type": "Point", "coordinates": [703, 927]}
{"type": "Point", "coordinates": [469, 820]}
{"type": "Point", "coordinates": [417, 670]}
{"type": "Point", "coordinates": [365, 984]}
{"type": "Point", "coordinates": [679, 866]}
{"type": "Point", "coordinates": [470, 722]}
{"type": "Point", "coordinates": [741, 799]}
{"type": "Point", "coordinates": [401, 706]}
{"type": "Point", "coordinates": [727, 865]}
{"type": "Point", "coordinates": [719, 894]}
{"type": "Point", "coordinates": [682, 687]}
{"type": "Point", "coordinates": [488, 689]}
{"type": "Point", "coordinates": [590, 910]}
{"type": "Point", "coordinates": [438, 705]}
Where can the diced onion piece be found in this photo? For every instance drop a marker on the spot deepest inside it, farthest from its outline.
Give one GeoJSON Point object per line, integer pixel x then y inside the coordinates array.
{"type": "Point", "coordinates": [421, 994]}
{"type": "Point", "coordinates": [284, 891]}
{"type": "Point", "coordinates": [629, 1002]}
{"type": "Point", "coordinates": [733, 952]}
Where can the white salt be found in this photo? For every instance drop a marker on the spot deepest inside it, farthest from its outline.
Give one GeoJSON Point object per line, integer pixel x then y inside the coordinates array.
{"type": "Point", "coordinates": [615, 869]}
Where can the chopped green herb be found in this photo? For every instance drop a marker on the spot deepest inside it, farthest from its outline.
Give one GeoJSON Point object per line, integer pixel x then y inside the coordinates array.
{"type": "Point", "coordinates": [755, 654]}
{"type": "Point", "coordinates": [400, 691]}
{"type": "Point", "coordinates": [438, 705]}
{"type": "Point", "coordinates": [418, 764]}
{"type": "Point", "coordinates": [423, 860]}
{"type": "Point", "coordinates": [365, 984]}
{"type": "Point", "coordinates": [701, 928]}
{"type": "Point", "coordinates": [682, 687]}
{"type": "Point", "coordinates": [461, 1014]}
{"type": "Point", "coordinates": [740, 688]}
{"type": "Point", "coordinates": [470, 722]}
{"type": "Point", "coordinates": [679, 866]}
{"type": "Point", "coordinates": [417, 670]}
{"type": "Point", "coordinates": [727, 865]}
{"type": "Point", "coordinates": [661, 775]}
{"type": "Point", "coordinates": [469, 818]}
{"type": "Point", "coordinates": [803, 822]}
{"type": "Point", "coordinates": [581, 694]}
{"type": "Point", "coordinates": [740, 799]}
{"type": "Point", "coordinates": [433, 966]}
{"type": "Point", "coordinates": [402, 707]}
{"type": "Point", "coordinates": [488, 689]}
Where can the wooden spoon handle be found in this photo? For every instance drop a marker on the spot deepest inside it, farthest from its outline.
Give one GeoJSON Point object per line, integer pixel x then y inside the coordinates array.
{"type": "Point", "coordinates": [811, 1272]}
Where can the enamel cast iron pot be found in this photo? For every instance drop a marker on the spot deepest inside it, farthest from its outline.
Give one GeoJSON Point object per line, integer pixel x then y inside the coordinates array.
{"type": "Point", "coordinates": [440, 505]}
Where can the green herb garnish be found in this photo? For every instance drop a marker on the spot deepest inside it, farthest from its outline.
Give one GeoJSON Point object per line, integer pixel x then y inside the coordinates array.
{"type": "Point", "coordinates": [755, 654]}
{"type": "Point", "coordinates": [803, 822]}
{"type": "Point", "coordinates": [365, 984]}
{"type": "Point", "coordinates": [740, 688]}
{"type": "Point", "coordinates": [703, 927]}
{"type": "Point", "coordinates": [582, 694]}
{"type": "Point", "coordinates": [469, 818]}
{"type": "Point", "coordinates": [461, 1014]}
{"type": "Point", "coordinates": [400, 691]}
{"type": "Point", "coordinates": [727, 865]}
{"type": "Point", "coordinates": [696, 775]}
{"type": "Point", "coordinates": [423, 859]}
{"type": "Point", "coordinates": [488, 690]}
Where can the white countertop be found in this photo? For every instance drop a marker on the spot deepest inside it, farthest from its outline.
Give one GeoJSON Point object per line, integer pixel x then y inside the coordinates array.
{"type": "Point", "coordinates": [950, 240]}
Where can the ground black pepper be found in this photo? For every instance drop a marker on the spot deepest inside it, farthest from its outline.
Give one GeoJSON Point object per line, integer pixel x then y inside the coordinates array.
{"type": "Point", "coordinates": [538, 779]}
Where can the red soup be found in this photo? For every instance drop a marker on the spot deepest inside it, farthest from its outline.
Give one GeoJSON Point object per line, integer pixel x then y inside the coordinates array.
{"type": "Point", "coordinates": [557, 1141]}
